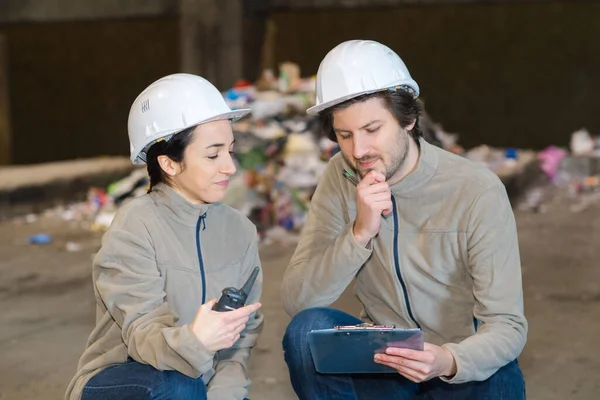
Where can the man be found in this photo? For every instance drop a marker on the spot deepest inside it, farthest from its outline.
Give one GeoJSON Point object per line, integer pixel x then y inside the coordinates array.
{"type": "Point", "coordinates": [429, 237]}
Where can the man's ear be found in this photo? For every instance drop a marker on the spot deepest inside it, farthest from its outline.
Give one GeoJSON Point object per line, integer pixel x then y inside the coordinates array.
{"type": "Point", "coordinates": [170, 167]}
{"type": "Point", "coordinates": [411, 126]}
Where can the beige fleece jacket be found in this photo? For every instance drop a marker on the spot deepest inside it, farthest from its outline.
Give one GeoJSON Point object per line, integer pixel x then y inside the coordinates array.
{"type": "Point", "coordinates": [160, 260]}
{"type": "Point", "coordinates": [446, 260]}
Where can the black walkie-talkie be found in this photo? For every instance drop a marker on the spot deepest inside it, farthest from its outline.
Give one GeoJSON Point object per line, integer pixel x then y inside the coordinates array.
{"type": "Point", "coordinates": [233, 298]}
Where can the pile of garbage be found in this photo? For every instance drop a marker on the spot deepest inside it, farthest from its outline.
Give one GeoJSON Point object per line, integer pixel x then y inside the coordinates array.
{"type": "Point", "coordinates": [98, 210]}
{"type": "Point", "coordinates": [278, 148]}
{"type": "Point", "coordinates": [536, 179]}
{"type": "Point", "coordinates": [281, 155]}
{"type": "Point", "coordinates": [574, 174]}
{"type": "Point", "coordinates": [505, 162]}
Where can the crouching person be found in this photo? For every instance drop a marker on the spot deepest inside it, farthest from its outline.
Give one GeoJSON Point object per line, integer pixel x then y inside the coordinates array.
{"type": "Point", "coordinates": [429, 237]}
{"type": "Point", "coordinates": [168, 255]}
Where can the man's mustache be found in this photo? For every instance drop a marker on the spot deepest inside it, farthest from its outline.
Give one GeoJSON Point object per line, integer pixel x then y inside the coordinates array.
{"type": "Point", "coordinates": [365, 159]}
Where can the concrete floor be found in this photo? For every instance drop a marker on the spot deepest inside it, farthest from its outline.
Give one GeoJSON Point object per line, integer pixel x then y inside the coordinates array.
{"type": "Point", "coordinates": [46, 308]}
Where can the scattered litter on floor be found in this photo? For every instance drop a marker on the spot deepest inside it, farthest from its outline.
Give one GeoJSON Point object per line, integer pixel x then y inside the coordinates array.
{"type": "Point", "coordinates": [40, 238]}
{"type": "Point", "coordinates": [73, 247]}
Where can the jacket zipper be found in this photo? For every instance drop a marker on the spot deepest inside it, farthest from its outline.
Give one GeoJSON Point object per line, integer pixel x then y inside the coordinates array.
{"type": "Point", "coordinates": [397, 264]}
{"type": "Point", "coordinates": [201, 223]}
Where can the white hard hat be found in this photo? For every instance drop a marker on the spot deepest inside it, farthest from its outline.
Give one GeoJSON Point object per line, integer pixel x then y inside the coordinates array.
{"type": "Point", "coordinates": [358, 67]}
{"type": "Point", "coordinates": [170, 105]}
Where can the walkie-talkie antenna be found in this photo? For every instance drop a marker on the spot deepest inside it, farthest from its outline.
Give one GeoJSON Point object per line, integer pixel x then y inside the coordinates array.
{"type": "Point", "coordinates": [250, 282]}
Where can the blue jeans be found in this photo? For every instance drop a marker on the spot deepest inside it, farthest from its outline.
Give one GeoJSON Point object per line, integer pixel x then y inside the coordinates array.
{"type": "Point", "coordinates": [506, 384]}
{"type": "Point", "coordinates": [134, 381]}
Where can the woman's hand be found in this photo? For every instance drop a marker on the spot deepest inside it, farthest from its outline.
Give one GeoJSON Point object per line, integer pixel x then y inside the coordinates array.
{"type": "Point", "coordinates": [220, 330]}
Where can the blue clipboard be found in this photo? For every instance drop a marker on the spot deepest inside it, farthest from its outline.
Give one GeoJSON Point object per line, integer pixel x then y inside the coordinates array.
{"type": "Point", "coordinates": [350, 349]}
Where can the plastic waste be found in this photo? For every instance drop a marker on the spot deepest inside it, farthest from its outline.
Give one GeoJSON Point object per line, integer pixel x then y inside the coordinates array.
{"type": "Point", "coordinates": [581, 142]}
{"type": "Point", "coordinates": [40, 238]}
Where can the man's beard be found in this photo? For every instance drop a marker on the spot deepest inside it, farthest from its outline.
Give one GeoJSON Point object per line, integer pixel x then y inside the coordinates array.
{"type": "Point", "coordinates": [397, 158]}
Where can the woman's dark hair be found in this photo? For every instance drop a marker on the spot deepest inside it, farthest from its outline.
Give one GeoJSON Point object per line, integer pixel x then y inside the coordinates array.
{"type": "Point", "coordinates": [174, 148]}
{"type": "Point", "coordinates": [403, 106]}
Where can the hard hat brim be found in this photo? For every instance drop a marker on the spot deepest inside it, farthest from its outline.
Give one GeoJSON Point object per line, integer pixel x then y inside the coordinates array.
{"type": "Point", "coordinates": [232, 116]}
{"type": "Point", "coordinates": [316, 109]}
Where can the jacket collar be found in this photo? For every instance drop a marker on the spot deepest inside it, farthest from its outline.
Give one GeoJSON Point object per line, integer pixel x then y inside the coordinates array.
{"type": "Point", "coordinates": [423, 172]}
{"type": "Point", "coordinates": [177, 208]}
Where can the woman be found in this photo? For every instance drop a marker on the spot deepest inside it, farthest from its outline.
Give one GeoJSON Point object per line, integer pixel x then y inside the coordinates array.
{"type": "Point", "coordinates": [167, 253]}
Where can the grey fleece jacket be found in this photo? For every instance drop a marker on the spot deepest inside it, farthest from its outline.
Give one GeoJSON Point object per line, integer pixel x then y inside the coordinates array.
{"type": "Point", "coordinates": [446, 260]}
{"type": "Point", "coordinates": [160, 260]}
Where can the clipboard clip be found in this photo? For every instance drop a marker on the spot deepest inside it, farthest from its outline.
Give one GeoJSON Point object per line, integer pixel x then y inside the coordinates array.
{"type": "Point", "coordinates": [364, 327]}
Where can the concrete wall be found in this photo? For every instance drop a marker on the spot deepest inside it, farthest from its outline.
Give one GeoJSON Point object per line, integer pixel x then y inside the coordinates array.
{"type": "Point", "coordinates": [211, 40]}
{"type": "Point", "coordinates": [337, 4]}
{"type": "Point", "coordinates": [72, 83]}
{"type": "Point", "coordinates": [506, 74]}
{"type": "Point", "coordinates": [502, 72]}
{"type": "Point", "coordinates": [75, 66]}
{"type": "Point", "coordinates": [71, 10]}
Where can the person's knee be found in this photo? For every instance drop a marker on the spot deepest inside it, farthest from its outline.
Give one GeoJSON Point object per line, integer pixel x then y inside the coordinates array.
{"type": "Point", "coordinates": [180, 386]}
{"type": "Point", "coordinates": [305, 321]}
{"type": "Point", "coordinates": [314, 318]}
{"type": "Point", "coordinates": [506, 383]}
{"type": "Point", "coordinates": [511, 376]}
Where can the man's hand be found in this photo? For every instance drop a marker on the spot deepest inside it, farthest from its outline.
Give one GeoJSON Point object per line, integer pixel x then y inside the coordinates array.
{"type": "Point", "coordinates": [419, 366]}
{"type": "Point", "coordinates": [373, 198]}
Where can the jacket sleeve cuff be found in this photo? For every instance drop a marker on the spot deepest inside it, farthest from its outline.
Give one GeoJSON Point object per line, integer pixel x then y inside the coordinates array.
{"type": "Point", "coordinates": [187, 345]}
{"type": "Point", "coordinates": [229, 383]}
{"type": "Point", "coordinates": [461, 375]}
{"type": "Point", "coordinates": [363, 251]}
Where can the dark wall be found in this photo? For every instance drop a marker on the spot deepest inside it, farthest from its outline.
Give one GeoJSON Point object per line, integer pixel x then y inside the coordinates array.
{"type": "Point", "coordinates": [513, 74]}
{"type": "Point", "coordinates": [72, 83]}
{"type": "Point", "coordinates": [524, 74]}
